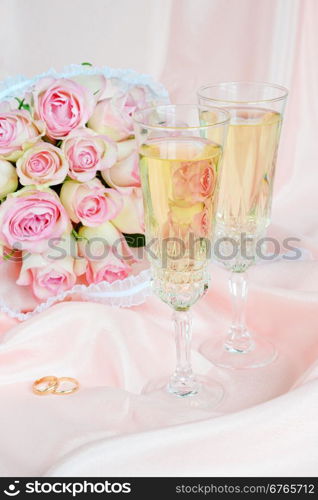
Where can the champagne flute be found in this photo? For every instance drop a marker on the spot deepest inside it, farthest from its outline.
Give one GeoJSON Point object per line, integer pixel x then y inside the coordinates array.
{"type": "Point", "coordinates": [180, 149]}
{"type": "Point", "coordinates": [244, 205]}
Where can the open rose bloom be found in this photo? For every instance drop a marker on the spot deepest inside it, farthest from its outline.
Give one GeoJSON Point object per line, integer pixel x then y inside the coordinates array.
{"type": "Point", "coordinates": [43, 164]}
{"type": "Point", "coordinates": [69, 181]}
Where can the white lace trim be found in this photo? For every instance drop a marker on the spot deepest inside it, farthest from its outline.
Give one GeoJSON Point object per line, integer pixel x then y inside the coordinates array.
{"type": "Point", "coordinates": [12, 86]}
{"type": "Point", "coordinates": [129, 292]}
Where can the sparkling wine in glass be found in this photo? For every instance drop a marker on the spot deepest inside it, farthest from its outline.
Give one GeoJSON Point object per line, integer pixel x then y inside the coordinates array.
{"type": "Point", "coordinates": [244, 204]}
{"type": "Point", "coordinates": [180, 150]}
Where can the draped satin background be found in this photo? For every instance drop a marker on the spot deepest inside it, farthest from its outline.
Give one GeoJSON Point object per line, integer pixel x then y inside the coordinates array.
{"type": "Point", "coordinates": [267, 424]}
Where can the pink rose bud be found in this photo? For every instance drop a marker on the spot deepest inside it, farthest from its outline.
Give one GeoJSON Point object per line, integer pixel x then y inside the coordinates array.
{"type": "Point", "coordinates": [113, 116]}
{"type": "Point", "coordinates": [125, 172]}
{"type": "Point", "coordinates": [29, 218]}
{"type": "Point", "coordinates": [18, 132]}
{"type": "Point", "coordinates": [109, 269]}
{"type": "Point", "coordinates": [63, 105]}
{"type": "Point", "coordinates": [90, 203]}
{"type": "Point", "coordinates": [88, 152]}
{"type": "Point", "coordinates": [8, 178]}
{"type": "Point", "coordinates": [47, 277]}
{"type": "Point", "coordinates": [105, 254]}
{"type": "Point", "coordinates": [42, 164]}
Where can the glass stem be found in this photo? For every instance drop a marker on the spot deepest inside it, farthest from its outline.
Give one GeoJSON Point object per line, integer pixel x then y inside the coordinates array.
{"type": "Point", "coordinates": [183, 381]}
{"type": "Point", "coordinates": [239, 339]}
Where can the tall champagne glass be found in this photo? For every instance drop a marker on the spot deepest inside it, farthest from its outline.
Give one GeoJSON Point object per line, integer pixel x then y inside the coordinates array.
{"type": "Point", "coordinates": [180, 148]}
{"type": "Point", "coordinates": [244, 204]}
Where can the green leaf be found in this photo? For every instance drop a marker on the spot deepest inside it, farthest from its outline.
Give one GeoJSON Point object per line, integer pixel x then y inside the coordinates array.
{"type": "Point", "coordinates": [20, 102]}
{"type": "Point", "coordinates": [22, 105]}
{"type": "Point", "coordinates": [135, 240]}
{"type": "Point", "coordinates": [58, 144]}
{"type": "Point", "coordinates": [77, 236]}
{"type": "Point", "coordinates": [86, 64]}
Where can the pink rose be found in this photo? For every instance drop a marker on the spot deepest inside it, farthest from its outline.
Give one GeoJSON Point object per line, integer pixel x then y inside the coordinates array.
{"type": "Point", "coordinates": [87, 152]}
{"type": "Point", "coordinates": [113, 116]}
{"type": "Point", "coordinates": [90, 203]}
{"type": "Point", "coordinates": [47, 277]}
{"type": "Point", "coordinates": [42, 164]}
{"type": "Point", "coordinates": [62, 105]}
{"type": "Point", "coordinates": [109, 269]}
{"type": "Point", "coordinates": [105, 254]}
{"type": "Point", "coordinates": [30, 217]}
{"type": "Point", "coordinates": [17, 132]}
{"type": "Point", "coordinates": [130, 219]}
{"type": "Point", "coordinates": [194, 183]}
{"type": "Point", "coordinates": [125, 172]}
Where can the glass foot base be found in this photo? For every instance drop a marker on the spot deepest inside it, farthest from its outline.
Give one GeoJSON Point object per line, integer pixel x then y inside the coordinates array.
{"type": "Point", "coordinates": [206, 395]}
{"type": "Point", "coordinates": [261, 354]}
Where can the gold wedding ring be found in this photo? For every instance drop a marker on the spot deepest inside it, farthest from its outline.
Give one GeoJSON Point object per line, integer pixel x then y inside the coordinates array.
{"type": "Point", "coordinates": [54, 385]}
{"type": "Point", "coordinates": [74, 386]}
{"type": "Point", "coordinates": [45, 385]}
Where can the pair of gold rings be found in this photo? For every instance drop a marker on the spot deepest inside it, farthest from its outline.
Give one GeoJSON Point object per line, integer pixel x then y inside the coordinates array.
{"type": "Point", "coordinates": [54, 385]}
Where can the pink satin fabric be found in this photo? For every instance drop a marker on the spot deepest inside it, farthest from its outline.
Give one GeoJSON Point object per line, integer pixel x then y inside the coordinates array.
{"type": "Point", "coordinates": [267, 424]}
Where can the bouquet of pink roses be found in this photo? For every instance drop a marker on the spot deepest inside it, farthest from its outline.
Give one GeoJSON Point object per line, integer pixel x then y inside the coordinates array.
{"type": "Point", "coordinates": [69, 182]}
